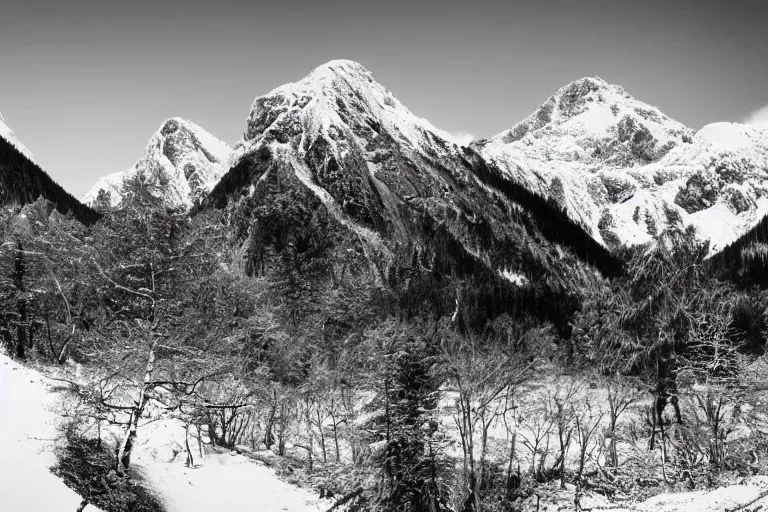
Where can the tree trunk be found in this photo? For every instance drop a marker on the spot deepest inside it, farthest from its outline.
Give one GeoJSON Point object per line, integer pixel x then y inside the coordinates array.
{"type": "Point", "coordinates": [19, 268]}
{"type": "Point", "coordinates": [190, 460]}
{"type": "Point", "coordinates": [124, 458]}
{"type": "Point", "coordinates": [483, 450]}
{"type": "Point", "coordinates": [512, 443]}
{"type": "Point", "coordinates": [200, 441]}
{"type": "Point", "coordinates": [336, 438]}
{"type": "Point", "coordinates": [322, 434]}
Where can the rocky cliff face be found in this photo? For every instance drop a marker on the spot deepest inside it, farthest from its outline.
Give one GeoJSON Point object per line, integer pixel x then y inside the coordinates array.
{"type": "Point", "coordinates": [626, 171]}
{"type": "Point", "coordinates": [181, 163]}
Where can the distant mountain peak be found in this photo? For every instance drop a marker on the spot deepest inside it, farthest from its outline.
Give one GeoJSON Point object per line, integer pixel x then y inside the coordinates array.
{"type": "Point", "coordinates": [627, 171]}
{"type": "Point", "coordinates": [590, 109]}
{"type": "Point", "coordinates": [181, 161]}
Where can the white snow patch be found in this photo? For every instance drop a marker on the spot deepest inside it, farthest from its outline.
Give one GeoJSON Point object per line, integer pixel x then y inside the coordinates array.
{"type": "Point", "coordinates": [513, 277]}
{"type": "Point", "coordinates": [226, 481]}
{"type": "Point", "coordinates": [729, 136]}
{"type": "Point", "coordinates": [461, 138]}
{"type": "Point", "coordinates": [27, 434]}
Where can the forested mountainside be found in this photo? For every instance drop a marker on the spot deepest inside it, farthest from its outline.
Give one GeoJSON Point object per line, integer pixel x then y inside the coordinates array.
{"type": "Point", "coordinates": [388, 319]}
{"type": "Point", "coordinates": [334, 166]}
{"type": "Point", "coordinates": [181, 164]}
{"type": "Point", "coordinates": [744, 261]}
{"type": "Point", "coordinates": [22, 181]}
{"type": "Point", "coordinates": [628, 172]}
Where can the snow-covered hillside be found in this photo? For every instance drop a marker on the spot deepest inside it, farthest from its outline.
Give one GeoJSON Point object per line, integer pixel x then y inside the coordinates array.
{"type": "Point", "coordinates": [182, 162]}
{"type": "Point", "coordinates": [381, 170]}
{"type": "Point", "coordinates": [627, 171]}
{"type": "Point", "coordinates": [7, 134]}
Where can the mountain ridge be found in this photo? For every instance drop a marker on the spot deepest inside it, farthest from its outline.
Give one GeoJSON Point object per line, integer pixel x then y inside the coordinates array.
{"type": "Point", "coordinates": [620, 167]}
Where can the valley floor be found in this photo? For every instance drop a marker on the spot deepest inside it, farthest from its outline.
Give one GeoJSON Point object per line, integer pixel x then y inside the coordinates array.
{"type": "Point", "coordinates": [228, 482]}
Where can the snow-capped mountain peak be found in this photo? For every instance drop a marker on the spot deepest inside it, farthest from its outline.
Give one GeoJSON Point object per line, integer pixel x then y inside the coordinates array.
{"type": "Point", "coordinates": [627, 171]}
{"type": "Point", "coordinates": [182, 162]}
{"type": "Point", "coordinates": [592, 120]}
{"type": "Point", "coordinates": [340, 93]}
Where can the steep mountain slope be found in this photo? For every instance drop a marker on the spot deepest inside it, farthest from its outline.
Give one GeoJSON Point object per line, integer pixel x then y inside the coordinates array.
{"type": "Point", "coordinates": [626, 171]}
{"type": "Point", "coordinates": [22, 181]}
{"type": "Point", "coordinates": [182, 163]}
{"type": "Point", "coordinates": [334, 165]}
{"type": "Point", "coordinates": [8, 135]}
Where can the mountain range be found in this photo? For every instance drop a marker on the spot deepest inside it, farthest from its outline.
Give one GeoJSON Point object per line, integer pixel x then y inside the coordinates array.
{"type": "Point", "coordinates": [619, 168]}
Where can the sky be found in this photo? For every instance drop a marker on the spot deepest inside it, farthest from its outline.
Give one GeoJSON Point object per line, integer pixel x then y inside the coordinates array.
{"type": "Point", "coordinates": [84, 84]}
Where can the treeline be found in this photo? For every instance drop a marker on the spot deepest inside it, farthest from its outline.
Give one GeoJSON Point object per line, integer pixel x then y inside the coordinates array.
{"type": "Point", "coordinates": [23, 182]}
{"type": "Point", "coordinates": [745, 260]}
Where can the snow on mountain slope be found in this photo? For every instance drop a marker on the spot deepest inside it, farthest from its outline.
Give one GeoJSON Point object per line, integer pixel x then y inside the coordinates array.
{"type": "Point", "coordinates": [182, 162]}
{"type": "Point", "coordinates": [7, 134]}
{"type": "Point", "coordinates": [626, 171]}
{"type": "Point", "coordinates": [27, 434]}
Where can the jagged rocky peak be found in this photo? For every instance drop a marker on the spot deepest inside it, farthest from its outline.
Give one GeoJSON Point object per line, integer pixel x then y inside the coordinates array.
{"type": "Point", "coordinates": [339, 100]}
{"type": "Point", "coordinates": [182, 163]}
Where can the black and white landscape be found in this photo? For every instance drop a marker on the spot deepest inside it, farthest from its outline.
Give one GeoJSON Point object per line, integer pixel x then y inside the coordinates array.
{"type": "Point", "coordinates": [351, 309]}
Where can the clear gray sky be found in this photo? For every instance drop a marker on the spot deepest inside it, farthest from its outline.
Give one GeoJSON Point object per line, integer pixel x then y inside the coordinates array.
{"type": "Point", "coordinates": [85, 83]}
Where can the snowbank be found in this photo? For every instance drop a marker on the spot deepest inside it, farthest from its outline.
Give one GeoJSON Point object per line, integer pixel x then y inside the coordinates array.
{"type": "Point", "coordinates": [27, 431]}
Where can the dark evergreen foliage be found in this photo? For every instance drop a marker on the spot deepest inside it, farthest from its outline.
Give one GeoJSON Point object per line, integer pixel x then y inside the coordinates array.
{"type": "Point", "coordinates": [550, 218]}
{"type": "Point", "coordinates": [745, 261]}
{"type": "Point", "coordinates": [22, 182]}
{"type": "Point", "coordinates": [412, 462]}
{"type": "Point", "coordinates": [237, 179]}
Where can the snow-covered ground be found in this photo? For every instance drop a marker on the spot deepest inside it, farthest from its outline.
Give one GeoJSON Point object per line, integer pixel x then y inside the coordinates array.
{"type": "Point", "coordinates": [27, 433]}
{"type": "Point", "coordinates": [227, 482]}
{"type": "Point", "coordinates": [219, 482]}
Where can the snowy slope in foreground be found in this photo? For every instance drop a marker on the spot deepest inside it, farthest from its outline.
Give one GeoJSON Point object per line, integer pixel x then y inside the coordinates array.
{"type": "Point", "coordinates": [182, 163]}
{"type": "Point", "coordinates": [27, 428]}
{"type": "Point", "coordinates": [7, 134]}
{"type": "Point", "coordinates": [220, 481]}
{"type": "Point", "coordinates": [223, 482]}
